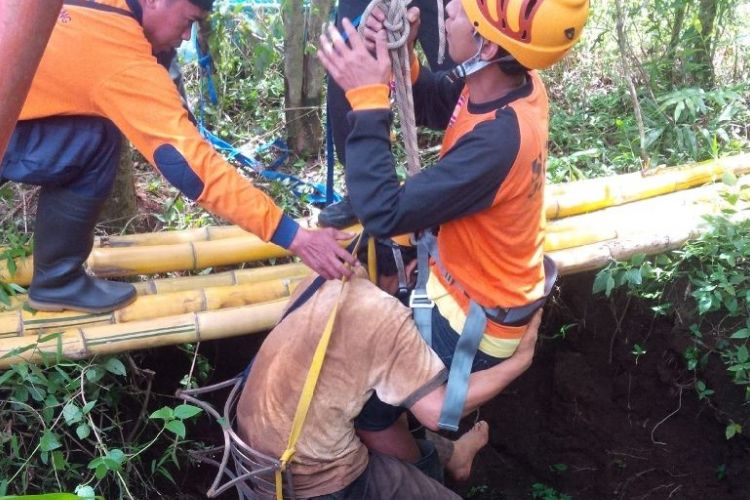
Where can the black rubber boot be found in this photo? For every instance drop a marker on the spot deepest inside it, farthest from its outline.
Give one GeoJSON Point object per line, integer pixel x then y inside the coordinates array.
{"type": "Point", "coordinates": [63, 238]}
{"type": "Point", "coordinates": [338, 215]}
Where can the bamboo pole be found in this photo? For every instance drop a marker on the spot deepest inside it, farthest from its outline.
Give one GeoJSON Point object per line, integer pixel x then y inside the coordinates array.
{"type": "Point", "coordinates": [586, 196]}
{"type": "Point", "coordinates": [594, 194]}
{"type": "Point", "coordinates": [79, 343]}
{"type": "Point", "coordinates": [22, 322]}
{"type": "Point", "coordinates": [649, 235]}
{"type": "Point", "coordinates": [258, 275]}
{"type": "Point", "coordinates": [226, 278]}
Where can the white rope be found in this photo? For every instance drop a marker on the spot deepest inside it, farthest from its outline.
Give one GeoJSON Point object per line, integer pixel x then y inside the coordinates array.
{"type": "Point", "coordinates": [397, 28]}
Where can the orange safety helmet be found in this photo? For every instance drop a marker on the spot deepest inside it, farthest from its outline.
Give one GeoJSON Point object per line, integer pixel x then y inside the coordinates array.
{"type": "Point", "coordinates": [537, 33]}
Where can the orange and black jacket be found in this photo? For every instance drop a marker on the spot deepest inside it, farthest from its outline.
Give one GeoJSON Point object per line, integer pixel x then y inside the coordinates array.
{"type": "Point", "coordinates": [98, 62]}
{"type": "Point", "coordinates": [486, 191]}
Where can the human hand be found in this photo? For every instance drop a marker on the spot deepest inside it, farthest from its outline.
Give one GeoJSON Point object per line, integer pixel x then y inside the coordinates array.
{"type": "Point", "coordinates": [375, 23]}
{"type": "Point", "coordinates": [321, 252]}
{"type": "Point", "coordinates": [350, 64]}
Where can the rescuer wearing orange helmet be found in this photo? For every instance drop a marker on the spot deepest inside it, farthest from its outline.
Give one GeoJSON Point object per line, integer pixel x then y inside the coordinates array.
{"type": "Point", "coordinates": [484, 195]}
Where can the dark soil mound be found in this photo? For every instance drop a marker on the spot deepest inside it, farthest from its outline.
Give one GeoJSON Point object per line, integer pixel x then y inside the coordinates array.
{"type": "Point", "coordinates": [591, 421]}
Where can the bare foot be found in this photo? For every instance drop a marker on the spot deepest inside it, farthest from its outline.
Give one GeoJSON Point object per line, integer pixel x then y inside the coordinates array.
{"type": "Point", "coordinates": [464, 450]}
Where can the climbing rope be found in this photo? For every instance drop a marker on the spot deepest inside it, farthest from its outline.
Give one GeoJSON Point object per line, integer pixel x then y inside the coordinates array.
{"type": "Point", "coordinates": [441, 31]}
{"type": "Point", "coordinates": [397, 28]}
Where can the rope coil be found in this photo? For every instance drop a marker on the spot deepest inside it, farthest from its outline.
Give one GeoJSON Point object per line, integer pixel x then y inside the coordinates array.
{"type": "Point", "coordinates": [398, 30]}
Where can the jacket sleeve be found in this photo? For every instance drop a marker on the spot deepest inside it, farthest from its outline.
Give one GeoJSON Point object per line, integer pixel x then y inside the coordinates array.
{"type": "Point", "coordinates": [144, 104]}
{"type": "Point", "coordinates": [464, 181]}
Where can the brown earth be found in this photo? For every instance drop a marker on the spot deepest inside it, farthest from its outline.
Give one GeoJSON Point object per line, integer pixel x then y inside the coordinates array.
{"type": "Point", "coordinates": [590, 421]}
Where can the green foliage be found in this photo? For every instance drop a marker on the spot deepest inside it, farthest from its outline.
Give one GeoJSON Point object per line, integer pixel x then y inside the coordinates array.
{"type": "Point", "coordinates": [713, 273]}
{"type": "Point", "coordinates": [544, 492]}
{"type": "Point", "coordinates": [76, 426]}
{"type": "Point", "coordinates": [691, 87]}
{"type": "Point", "coordinates": [17, 245]}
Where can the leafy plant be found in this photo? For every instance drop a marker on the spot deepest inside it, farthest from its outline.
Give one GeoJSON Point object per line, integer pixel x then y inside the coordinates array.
{"type": "Point", "coordinates": [76, 426]}
{"type": "Point", "coordinates": [713, 273]}
{"type": "Point", "coordinates": [544, 492]}
{"type": "Point", "coordinates": [18, 246]}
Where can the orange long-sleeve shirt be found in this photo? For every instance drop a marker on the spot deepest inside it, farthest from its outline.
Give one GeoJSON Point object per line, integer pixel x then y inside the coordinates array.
{"type": "Point", "coordinates": [99, 63]}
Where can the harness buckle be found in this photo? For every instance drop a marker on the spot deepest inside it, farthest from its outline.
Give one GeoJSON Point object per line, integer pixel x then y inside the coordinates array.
{"type": "Point", "coordinates": [420, 300]}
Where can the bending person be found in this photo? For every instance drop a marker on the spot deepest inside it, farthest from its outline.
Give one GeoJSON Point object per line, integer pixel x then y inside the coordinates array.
{"type": "Point", "coordinates": [99, 77]}
{"type": "Point", "coordinates": [374, 347]}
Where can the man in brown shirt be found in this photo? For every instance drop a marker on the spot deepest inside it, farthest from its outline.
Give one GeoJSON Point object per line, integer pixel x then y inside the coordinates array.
{"type": "Point", "coordinates": [375, 346]}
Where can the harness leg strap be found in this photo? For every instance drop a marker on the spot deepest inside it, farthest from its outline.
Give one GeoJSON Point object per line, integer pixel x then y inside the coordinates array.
{"type": "Point", "coordinates": [420, 304]}
{"type": "Point", "coordinates": [458, 379]}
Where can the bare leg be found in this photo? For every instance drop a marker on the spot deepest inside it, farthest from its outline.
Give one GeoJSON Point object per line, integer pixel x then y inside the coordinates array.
{"type": "Point", "coordinates": [465, 449]}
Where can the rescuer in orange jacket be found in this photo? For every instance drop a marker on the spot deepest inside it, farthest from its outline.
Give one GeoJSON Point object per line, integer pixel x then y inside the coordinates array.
{"type": "Point", "coordinates": [98, 77]}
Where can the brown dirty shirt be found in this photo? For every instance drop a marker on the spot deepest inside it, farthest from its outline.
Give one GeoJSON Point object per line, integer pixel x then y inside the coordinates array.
{"type": "Point", "coordinates": [375, 346]}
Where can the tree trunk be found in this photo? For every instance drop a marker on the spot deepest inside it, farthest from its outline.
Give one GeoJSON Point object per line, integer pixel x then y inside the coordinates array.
{"type": "Point", "coordinates": [121, 207]}
{"type": "Point", "coordinates": [303, 74]}
{"type": "Point", "coordinates": [704, 53]}
{"type": "Point", "coordinates": [622, 42]}
{"type": "Point", "coordinates": [674, 42]}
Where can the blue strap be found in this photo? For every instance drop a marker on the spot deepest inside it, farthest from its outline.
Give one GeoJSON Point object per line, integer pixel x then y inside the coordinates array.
{"type": "Point", "coordinates": [206, 64]}
{"type": "Point", "coordinates": [330, 194]}
{"type": "Point", "coordinates": [463, 358]}
{"type": "Point", "coordinates": [421, 305]}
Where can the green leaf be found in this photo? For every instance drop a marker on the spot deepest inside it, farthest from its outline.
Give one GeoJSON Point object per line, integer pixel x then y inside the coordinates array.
{"type": "Point", "coordinates": [117, 455]}
{"type": "Point", "coordinates": [88, 407]}
{"type": "Point", "coordinates": [85, 491]}
{"type": "Point", "coordinates": [101, 471]}
{"type": "Point", "coordinates": [732, 430]}
{"type": "Point", "coordinates": [115, 366]}
{"type": "Point", "coordinates": [58, 460]}
{"type": "Point", "coordinates": [71, 413]}
{"type": "Point", "coordinates": [50, 441]}
{"type": "Point", "coordinates": [83, 431]}
{"type": "Point", "coordinates": [177, 427]}
{"type": "Point", "coordinates": [600, 282]}
{"type": "Point", "coordinates": [164, 413]}
{"type": "Point", "coordinates": [742, 354]}
{"type": "Point", "coordinates": [94, 374]}
{"type": "Point", "coordinates": [742, 333]}
{"type": "Point", "coordinates": [184, 411]}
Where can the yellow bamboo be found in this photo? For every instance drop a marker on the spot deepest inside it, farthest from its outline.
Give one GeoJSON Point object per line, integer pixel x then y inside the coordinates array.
{"type": "Point", "coordinates": [658, 232]}
{"type": "Point", "coordinates": [226, 278]}
{"type": "Point", "coordinates": [207, 233]}
{"type": "Point", "coordinates": [22, 322]}
{"type": "Point", "coordinates": [258, 275]}
{"type": "Point", "coordinates": [593, 194]}
{"type": "Point", "coordinates": [78, 343]}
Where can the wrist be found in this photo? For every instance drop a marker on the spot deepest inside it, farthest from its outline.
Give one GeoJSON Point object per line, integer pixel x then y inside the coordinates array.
{"type": "Point", "coordinates": [373, 96]}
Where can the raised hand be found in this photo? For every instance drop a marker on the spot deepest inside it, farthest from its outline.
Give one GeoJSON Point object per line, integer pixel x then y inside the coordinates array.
{"type": "Point", "coordinates": [349, 62]}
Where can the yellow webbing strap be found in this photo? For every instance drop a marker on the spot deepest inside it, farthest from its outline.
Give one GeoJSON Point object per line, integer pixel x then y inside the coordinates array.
{"type": "Point", "coordinates": [309, 388]}
{"type": "Point", "coordinates": [372, 261]}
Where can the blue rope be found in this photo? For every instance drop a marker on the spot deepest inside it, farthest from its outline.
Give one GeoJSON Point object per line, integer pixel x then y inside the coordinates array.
{"type": "Point", "coordinates": [314, 192]}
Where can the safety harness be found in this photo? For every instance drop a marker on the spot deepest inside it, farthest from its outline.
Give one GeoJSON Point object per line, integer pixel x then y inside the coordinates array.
{"type": "Point", "coordinates": [250, 464]}
{"type": "Point", "coordinates": [474, 327]}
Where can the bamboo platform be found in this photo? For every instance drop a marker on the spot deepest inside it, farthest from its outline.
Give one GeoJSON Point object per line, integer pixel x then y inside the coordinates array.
{"type": "Point", "coordinates": [591, 223]}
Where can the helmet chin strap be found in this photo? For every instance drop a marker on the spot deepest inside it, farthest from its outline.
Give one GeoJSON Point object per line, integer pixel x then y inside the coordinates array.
{"type": "Point", "coordinates": [474, 63]}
